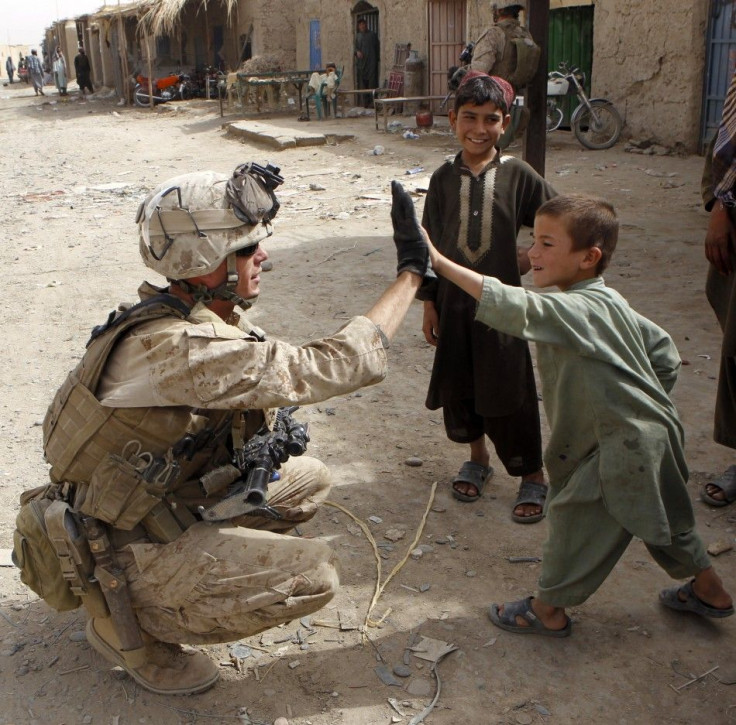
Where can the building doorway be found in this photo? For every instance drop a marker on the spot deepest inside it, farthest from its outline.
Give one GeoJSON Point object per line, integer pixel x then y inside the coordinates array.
{"type": "Point", "coordinates": [365, 11]}
{"type": "Point", "coordinates": [447, 38]}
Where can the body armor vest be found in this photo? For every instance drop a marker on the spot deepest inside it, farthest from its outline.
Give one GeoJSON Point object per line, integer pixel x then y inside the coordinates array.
{"type": "Point", "coordinates": [124, 462]}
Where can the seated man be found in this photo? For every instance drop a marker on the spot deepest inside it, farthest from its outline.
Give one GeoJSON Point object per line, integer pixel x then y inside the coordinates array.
{"type": "Point", "coordinates": [166, 417]}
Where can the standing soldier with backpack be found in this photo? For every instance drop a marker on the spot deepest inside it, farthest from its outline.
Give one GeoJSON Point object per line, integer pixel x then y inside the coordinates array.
{"type": "Point", "coordinates": [507, 50]}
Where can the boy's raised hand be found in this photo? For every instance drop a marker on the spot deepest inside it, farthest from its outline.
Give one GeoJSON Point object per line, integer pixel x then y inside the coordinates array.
{"type": "Point", "coordinates": [411, 249]}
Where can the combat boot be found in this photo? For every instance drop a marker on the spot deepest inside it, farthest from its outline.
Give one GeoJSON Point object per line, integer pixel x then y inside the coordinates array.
{"type": "Point", "coordinates": [166, 669]}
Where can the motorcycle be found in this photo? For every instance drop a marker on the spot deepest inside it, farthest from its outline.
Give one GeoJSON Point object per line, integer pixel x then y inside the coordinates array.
{"type": "Point", "coordinates": [205, 82]}
{"type": "Point", "coordinates": [174, 87]}
{"type": "Point", "coordinates": [595, 122]}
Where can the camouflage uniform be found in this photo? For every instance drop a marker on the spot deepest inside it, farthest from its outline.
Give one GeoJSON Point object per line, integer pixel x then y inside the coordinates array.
{"type": "Point", "coordinates": [151, 434]}
{"type": "Point", "coordinates": [219, 582]}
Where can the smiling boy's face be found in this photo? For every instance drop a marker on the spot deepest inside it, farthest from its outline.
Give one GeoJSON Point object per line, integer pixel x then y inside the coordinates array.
{"type": "Point", "coordinates": [478, 129]}
{"type": "Point", "coordinates": [555, 262]}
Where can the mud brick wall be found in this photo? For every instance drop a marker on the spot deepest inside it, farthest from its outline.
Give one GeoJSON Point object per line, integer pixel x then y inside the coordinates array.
{"type": "Point", "coordinates": [648, 59]}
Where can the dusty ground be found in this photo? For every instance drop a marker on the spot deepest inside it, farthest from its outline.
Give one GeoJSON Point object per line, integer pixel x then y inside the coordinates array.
{"type": "Point", "coordinates": [70, 254]}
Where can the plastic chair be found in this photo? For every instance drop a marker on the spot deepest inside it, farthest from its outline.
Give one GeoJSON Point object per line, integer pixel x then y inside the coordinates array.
{"type": "Point", "coordinates": [320, 99]}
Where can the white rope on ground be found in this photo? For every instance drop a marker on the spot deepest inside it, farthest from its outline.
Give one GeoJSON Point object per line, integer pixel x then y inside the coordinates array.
{"type": "Point", "coordinates": [379, 588]}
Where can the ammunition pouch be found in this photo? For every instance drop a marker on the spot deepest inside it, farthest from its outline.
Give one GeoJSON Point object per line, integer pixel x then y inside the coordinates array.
{"type": "Point", "coordinates": [118, 494]}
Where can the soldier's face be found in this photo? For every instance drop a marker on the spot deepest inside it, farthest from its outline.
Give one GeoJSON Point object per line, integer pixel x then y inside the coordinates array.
{"type": "Point", "coordinates": [249, 273]}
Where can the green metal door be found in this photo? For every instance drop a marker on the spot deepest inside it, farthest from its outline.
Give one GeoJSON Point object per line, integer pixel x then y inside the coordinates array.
{"type": "Point", "coordinates": [571, 41]}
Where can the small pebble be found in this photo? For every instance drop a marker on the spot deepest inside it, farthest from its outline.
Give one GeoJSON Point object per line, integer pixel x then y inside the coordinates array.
{"type": "Point", "coordinates": [424, 587]}
{"type": "Point", "coordinates": [293, 664]}
{"type": "Point", "coordinates": [719, 547]}
{"type": "Point", "coordinates": [413, 461]}
{"type": "Point", "coordinates": [417, 553]}
{"type": "Point", "coordinates": [402, 671]}
{"type": "Point", "coordinates": [470, 573]}
{"type": "Point", "coordinates": [78, 637]}
{"type": "Point", "coordinates": [280, 721]}
{"type": "Point", "coordinates": [375, 519]}
{"type": "Point", "coordinates": [419, 687]}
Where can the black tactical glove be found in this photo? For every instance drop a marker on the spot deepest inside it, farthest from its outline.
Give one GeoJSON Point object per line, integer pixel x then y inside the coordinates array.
{"type": "Point", "coordinates": [411, 249]}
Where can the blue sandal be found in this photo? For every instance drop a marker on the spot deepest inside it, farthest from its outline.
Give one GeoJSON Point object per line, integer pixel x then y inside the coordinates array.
{"type": "Point", "coordinates": [692, 603]}
{"type": "Point", "coordinates": [523, 608]}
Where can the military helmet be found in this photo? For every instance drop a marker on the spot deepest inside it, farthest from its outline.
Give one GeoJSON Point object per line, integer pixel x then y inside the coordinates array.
{"type": "Point", "coordinates": [191, 223]}
{"type": "Point", "coordinates": [515, 4]}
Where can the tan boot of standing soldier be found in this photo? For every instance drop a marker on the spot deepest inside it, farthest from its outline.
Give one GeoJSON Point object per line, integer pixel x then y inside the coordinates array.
{"type": "Point", "coordinates": [166, 669]}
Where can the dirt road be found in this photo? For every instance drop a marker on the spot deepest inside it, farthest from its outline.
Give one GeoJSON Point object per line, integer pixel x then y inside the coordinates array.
{"type": "Point", "coordinates": [71, 178]}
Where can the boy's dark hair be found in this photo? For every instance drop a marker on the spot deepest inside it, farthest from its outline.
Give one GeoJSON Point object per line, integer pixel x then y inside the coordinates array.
{"type": "Point", "coordinates": [480, 90]}
{"type": "Point", "coordinates": [590, 222]}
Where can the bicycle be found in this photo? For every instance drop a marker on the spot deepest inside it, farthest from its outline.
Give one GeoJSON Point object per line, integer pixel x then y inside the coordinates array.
{"type": "Point", "coordinates": [595, 122]}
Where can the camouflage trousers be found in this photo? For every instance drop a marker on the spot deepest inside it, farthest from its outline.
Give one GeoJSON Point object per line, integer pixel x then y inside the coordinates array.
{"type": "Point", "coordinates": [219, 582]}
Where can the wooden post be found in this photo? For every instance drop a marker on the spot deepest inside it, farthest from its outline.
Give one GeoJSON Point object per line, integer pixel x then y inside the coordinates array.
{"type": "Point", "coordinates": [150, 69]}
{"type": "Point", "coordinates": [535, 138]}
{"type": "Point", "coordinates": [123, 50]}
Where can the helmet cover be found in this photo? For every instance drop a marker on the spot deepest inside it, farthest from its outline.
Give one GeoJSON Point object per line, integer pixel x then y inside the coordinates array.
{"type": "Point", "coordinates": [189, 224]}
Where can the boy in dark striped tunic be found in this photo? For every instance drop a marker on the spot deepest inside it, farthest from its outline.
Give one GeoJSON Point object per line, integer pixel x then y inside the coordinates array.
{"type": "Point", "coordinates": [482, 379]}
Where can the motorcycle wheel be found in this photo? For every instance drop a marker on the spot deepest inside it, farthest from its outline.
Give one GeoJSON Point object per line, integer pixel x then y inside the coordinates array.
{"type": "Point", "coordinates": [185, 92]}
{"type": "Point", "coordinates": [140, 96]}
{"type": "Point", "coordinates": [599, 126]}
{"type": "Point", "coordinates": [554, 117]}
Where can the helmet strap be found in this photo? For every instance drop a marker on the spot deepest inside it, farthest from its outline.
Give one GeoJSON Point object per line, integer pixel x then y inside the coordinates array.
{"type": "Point", "coordinates": [225, 291]}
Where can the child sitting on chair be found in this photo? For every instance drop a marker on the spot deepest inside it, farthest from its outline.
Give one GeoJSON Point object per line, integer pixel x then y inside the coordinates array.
{"type": "Point", "coordinates": [329, 78]}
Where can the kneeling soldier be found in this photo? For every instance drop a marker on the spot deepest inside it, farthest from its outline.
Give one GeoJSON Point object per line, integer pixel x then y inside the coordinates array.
{"type": "Point", "coordinates": [156, 438]}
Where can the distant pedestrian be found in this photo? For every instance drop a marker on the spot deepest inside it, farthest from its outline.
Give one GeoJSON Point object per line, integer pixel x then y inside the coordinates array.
{"type": "Point", "coordinates": [84, 71]}
{"type": "Point", "coordinates": [10, 68]}
{"type": "Point", "coordinates": [60, 72]}
{"type": "Point", "coordinates": [367, 53]}
{"type": "Point", "coordinates": [35, 72]}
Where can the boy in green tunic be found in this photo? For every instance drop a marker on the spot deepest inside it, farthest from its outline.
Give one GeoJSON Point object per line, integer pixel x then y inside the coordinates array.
{"type": "Point", "coordinates": [615, 455]}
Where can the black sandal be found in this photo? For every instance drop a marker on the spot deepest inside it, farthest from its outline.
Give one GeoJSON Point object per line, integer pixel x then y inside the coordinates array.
{"type": "Point", "coordinates": [531, 493]}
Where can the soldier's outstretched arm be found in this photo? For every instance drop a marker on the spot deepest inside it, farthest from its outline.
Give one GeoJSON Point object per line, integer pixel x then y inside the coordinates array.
{"type": "Point", "coordinates": [412, 255]}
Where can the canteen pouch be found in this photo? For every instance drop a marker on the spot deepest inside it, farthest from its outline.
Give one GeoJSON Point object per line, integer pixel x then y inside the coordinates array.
{"type": "Point", "coordinates": [117, 494]}
{"type": "Point", "coordinates": [34, 555]}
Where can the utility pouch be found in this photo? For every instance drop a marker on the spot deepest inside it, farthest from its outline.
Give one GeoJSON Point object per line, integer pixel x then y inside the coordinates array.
{"type": "Point", "coordinates": [72, 549]}
{"type": "Point", "coordinates": [527, 59]}
{"type": "Point", "coordinates": [34, 554]}
{"type": "Point", "coordinates": [118, 494]}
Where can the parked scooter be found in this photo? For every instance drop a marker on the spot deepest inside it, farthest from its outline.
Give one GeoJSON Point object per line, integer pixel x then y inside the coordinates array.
{"type": "Point", "coordinates": [173, 87]}
{"type": "Point", "coordinates": [595, 122]}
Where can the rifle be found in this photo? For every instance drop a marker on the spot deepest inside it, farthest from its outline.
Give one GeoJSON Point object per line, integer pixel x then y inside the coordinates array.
{"type": "Point", "coordinates": [257, 460]}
